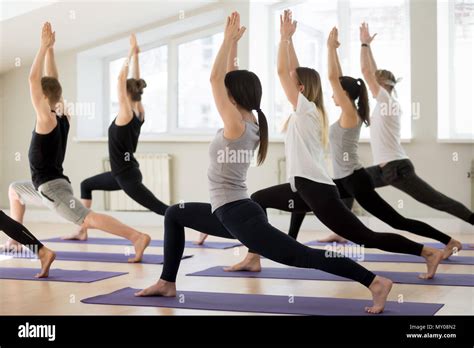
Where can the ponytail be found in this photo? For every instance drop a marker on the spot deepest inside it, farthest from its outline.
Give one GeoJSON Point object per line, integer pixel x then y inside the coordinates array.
{"type": "Point", "coordinates": [263, 132]}
{"type": "Point", "coordinates": [363, 109]}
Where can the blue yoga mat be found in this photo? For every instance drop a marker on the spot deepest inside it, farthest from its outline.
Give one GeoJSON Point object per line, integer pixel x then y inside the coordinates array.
{"type": "Point", "coordinates": [97, 257]}
{"type": "Point", "coordinates": [58, 275]}
{"type": "Point", "coordinates": [298, 305]}
{"type": "Point", "coordinates": [153, 243]}
{"type": "Point", "coordinates": [436, 245]}
{"type": "Point", "coordinates": [313, 274]}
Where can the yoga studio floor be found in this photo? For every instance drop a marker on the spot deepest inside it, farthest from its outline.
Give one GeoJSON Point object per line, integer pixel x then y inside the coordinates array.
{"type": "Point", "coordinates": [23, 297]}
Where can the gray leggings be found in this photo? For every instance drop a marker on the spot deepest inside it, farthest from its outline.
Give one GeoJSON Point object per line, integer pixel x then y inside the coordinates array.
{"type": "Point", "coordinates": [401, 174]}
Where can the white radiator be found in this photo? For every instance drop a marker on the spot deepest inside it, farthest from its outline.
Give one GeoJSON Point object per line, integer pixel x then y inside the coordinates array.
{"type": "Point", "coordinates": [155, 169]}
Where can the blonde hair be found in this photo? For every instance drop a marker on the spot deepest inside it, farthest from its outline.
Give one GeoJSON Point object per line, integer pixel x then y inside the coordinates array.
{"type": "Point", "coordinates": [386, 79]}
{"type": "Point", "coordinates": [311, 81]}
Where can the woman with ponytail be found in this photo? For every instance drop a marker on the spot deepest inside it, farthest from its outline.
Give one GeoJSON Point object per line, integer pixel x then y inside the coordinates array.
{"type": "Point", "coordinates": [310, 187]}
{"type": "Point", "coordinates": [391, 160]}
{"type": "Point", "coordinates": [124, 132]}
{"type": "Point", "coordinates": [232, 214]}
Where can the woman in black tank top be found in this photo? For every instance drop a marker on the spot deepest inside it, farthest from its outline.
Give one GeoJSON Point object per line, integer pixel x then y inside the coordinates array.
{"type": "Point", "coordinates": [124, 132]}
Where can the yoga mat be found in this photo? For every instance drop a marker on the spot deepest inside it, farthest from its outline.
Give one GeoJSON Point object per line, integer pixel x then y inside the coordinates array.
{"type": "Point", "coordinates": [97, 257]}
{"type": "Point", "coordinates": [58, 275]}
{"type": "Point", "coordinates": [312, 274]}
{"type": "Point", "coordinates": [403, 258]}
{"type": "Point", "coordinates": [465, 246]}
{"type": "Point", "coordinates": [299, 305]}
{"type": "Point", "coordinates": [153, 243]}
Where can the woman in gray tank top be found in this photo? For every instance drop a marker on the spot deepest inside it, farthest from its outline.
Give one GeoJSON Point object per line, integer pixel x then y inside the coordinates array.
{"type": "Point", "coordinates": [231, 213]}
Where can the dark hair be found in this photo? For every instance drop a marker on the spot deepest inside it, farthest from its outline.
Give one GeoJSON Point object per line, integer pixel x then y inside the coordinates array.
{"type": "Point", "coordinates": [135, 88]}
{"type": "Point", "coordinates": [357, 90]}
{"type": "Point", "coordinates": [52, 89]}
{"type": "Point", "coordinates": [245, 87]}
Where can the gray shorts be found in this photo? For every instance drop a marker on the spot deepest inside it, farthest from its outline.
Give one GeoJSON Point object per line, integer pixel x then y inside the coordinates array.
{"type": "Point", "coordinates": [26, 193]}
{"type": "Point", "coordinates": [58, 196]}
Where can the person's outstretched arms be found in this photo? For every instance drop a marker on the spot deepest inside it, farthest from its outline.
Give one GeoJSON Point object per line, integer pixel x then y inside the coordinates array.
{"type": "Point", "coordinates": [125, 113]}
{"type": "Point", "coordinates": [44, 122]}
{"type": "Point", "coordinates": [349, 118]}
{"type": "Point", "coordinates": [136, 68]}
{"type": "Point", "coordinates": [367, 61]}
{"type": "Point", "coordinates": [233, 124]}
{"type": "Point", "coordinates": [287, 60]}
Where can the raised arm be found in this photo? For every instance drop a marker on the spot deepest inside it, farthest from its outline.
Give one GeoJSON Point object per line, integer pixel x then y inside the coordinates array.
{"type": "Point", "coordinates": [136, 68]}
{"type": "Point", "coordinates": [40, 103]}
{"type": "Point", "coordinates": [233, 124]}
{"type": "Point", "coordinates": [232, 60]}
{"type": "Point", "coordinates": [125, 113]}
{"type": "Point", "coordinates": [349, 117]}
{"type": "Point", "coordinates": [287, 60]}
{"type": "Point", "coordinates": [50, 68]}
{"type": "Point", "coordinates": [367, 61]}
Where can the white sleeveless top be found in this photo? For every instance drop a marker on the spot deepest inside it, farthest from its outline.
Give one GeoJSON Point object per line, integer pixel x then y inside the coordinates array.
{"type": "Point", "coordinates": [385, 129]}
{"type": "Point", "coordinates": [303, 148]}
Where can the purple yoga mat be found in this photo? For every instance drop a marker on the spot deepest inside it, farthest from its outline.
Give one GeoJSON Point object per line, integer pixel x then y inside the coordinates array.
{"type": "Point", "coordinates": [58, 275]}
{"type": "Point", "coordinates": [97, 257]}
{"type": "Point", "coordinates": [403, 258]}
{"type": "Point", "coordinates": [153, 243]}
{"type": "Point", "coordinates": [217, 301]}
{"type": "Point", "coordinates": [436, 245]}
{"type": "Point", "coordinates": [312, 274]}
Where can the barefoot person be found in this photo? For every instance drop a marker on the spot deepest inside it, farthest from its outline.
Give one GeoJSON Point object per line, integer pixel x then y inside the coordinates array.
{"type": "Point", "coordinates": [124, 132]}
{"type": "Point", "coordinates": [231, 213]}
{"type": "Point", "coordinates": [48, 149]}
{"type": "Point", "coordinates": [351, 179]}
{"type": "Point", "coordinates": [310, 187]}
{"type": "Point", "coordinates": [23, 237]}
{"type": "Point", "coordinates": [392, 165]}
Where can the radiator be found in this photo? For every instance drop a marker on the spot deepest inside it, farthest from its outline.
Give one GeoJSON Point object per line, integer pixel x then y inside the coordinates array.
{"type": "Point", "coordinates": [155, 169]}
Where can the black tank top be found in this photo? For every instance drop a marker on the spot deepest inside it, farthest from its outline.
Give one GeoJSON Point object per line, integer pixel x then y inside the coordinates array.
{"type": "Point", "coordinates": [123, 141]}
{"type": "Point", "coordinates": [47, 152]}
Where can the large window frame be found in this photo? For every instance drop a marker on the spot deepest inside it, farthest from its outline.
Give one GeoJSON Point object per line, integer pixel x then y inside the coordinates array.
{"type": "Point", "coordinates": [172, 116]}
{"type": "Point", "coordinates": [344, 26]}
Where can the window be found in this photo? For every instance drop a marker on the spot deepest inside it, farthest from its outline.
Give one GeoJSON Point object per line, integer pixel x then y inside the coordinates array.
{"type": "Point", "coordinates": [196, 108]}
{"type": "Point", "coordinates": [390, 19]}
{"type": "Point", "coordinates": [154, 70]}
{"type": "Point", "coordinates": [455, 69]}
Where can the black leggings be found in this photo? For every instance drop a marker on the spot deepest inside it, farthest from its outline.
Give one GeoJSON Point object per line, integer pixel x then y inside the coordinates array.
{"type": "Point", "coordinates": [131, 182]}
{"type": "Point", "coordinates": [246, 221]}
{"type": "Point", "coordinates": [19, 233]}
{"type": "Point", "coordinates": [324, 201]}
{"type": "Point", "coordinates": [360, 186]}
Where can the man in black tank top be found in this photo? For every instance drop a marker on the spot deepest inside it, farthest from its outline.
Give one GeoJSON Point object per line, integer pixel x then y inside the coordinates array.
{"type": "Point", "coordinates": [48, 149]}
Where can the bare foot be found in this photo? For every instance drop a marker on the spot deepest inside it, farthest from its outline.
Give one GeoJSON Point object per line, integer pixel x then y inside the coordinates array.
{"type": "Point", "coordinates": [46, 257]}
{"type": "Point", "coordinates": [140, 245]}
{"type": "Point", "coordinates": [333, 237]}
{"type": "Point", "coordinates": [161, 288]}
{"type": "Point", "coordinates": [13, 246]}
{"type": "Point", "coordinates": [81, 234]}
{"type": "Point", "coordinates": [202, 239]}
{"type": "Point", "coordinates": [433, 257]}
{"type": "Point", "coordinates": [251, 263]}
{"type": "Point", "coordinates": [380, 288]}
{"type": "Point", "coordinates": [454, 246]}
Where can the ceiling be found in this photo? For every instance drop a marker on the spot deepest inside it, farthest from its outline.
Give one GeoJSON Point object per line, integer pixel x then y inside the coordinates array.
{"type": "Point", "coordinates": [78, 23]}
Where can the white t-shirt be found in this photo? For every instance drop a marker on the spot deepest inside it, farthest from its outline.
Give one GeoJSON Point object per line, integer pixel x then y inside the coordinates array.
{"type": "Point", "coordinates": [385, 127]}
{"type": "Point", "coordinates": [303, 149]}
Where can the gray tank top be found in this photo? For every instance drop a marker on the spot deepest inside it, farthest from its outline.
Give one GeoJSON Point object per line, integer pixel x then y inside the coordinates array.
{"type": "Point", "coordinates": [344, 144]}
{"type": "Point", "coordinates": [229, 162]}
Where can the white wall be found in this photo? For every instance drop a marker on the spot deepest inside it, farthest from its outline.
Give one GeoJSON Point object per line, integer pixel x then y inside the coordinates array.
{"type": "Point", "coordinates": [433, 160]}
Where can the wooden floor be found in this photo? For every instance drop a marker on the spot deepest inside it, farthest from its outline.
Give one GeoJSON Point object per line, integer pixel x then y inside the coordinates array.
{"type": "Point", "coordinates": [56, 298]}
